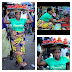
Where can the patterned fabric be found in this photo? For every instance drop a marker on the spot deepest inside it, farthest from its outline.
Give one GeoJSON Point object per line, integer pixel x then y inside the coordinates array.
{"type": "Point", "coordinates": [18, 46]}
{"type": "Point", "coordinates": [46, 25]}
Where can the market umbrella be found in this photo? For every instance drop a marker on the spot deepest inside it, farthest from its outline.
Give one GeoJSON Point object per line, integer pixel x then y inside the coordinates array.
{"type": "Point", "coordinates": [68, 9]}
{"type": "Point", "coordinates": [27, 3]}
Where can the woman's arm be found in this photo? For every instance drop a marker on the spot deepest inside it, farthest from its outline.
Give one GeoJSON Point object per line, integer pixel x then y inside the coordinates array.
{"type": "Point", "coordinates": [5, 19]}
{"type": "Point", "coordinates": [52, 21]}
{"type": "Point", "coordinates": [42, 22]}
{"type": "Point", "coordinates": [41, 63]}
{"type": "Point", "coordinates": [30, 20]}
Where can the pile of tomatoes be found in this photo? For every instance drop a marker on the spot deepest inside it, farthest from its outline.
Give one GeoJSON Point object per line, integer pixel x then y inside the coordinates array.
{"type": "Point", "coordinates": [56, 41]}
{"type": "Point", "coordinates": [17, 6]}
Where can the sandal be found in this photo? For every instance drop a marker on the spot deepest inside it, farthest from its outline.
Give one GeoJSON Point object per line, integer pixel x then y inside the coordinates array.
{"type": "Point", "coordinates": [16, 63]}
{"type": "Point", "coordinates": [22, 68]}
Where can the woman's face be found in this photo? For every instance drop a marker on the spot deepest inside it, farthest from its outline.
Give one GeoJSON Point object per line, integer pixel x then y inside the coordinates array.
{"type": "Point", "coordinates": [50, 12]}
{"type": "Point", "coordinates": [57, 54]}
{"type": "Point", "coordinates": [18, 15]}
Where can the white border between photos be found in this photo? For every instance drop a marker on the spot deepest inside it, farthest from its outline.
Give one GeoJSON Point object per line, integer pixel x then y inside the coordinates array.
{"type": "Point", "coordinates": [35, 35]}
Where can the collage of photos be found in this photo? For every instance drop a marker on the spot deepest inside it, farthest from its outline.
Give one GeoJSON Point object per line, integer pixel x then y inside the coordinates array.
{"type": "Point", "coordinates": [36, 38]}
{"type": "Point", "coordinates": [18, 36]}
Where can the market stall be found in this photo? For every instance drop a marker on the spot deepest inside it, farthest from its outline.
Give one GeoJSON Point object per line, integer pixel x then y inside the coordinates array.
{"type": "Point", "coordinates": [61, 16]}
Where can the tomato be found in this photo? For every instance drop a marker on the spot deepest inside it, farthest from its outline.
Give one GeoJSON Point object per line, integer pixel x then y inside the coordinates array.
{"type": "Point", "coordinates": [54, 39]}
{"type": "Point", "coordinates": [65, 39]}
{"type": "Point", "coordinates": [24, 6]}
{"type": "Point", "coordinates": [20, 6]}
{"type": "Point", "coordinates": [48, 40]}
{"type": "Point", "coordinates": [44, 42]}
{"type": "Point", "coordinates": [59, 38]}
{"type": "Point", "coordinates": [9, 6]}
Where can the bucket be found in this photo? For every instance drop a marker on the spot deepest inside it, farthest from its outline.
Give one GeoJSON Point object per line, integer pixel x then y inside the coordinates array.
{"type": "Point", "coordinates": [57, 26]}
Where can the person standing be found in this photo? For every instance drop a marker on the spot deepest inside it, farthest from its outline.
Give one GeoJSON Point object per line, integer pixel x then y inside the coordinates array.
{"type": "Point", "coordinates": [30, 26]}
{"type": "Point", "coordinates": [6, 47]}
{"type": "Point", "coordinates": [64, 51]}
{"type": "Point", "coordinates": [18, 36]}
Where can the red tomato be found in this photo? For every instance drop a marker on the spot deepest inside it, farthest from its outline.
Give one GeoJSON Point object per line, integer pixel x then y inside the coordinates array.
{"type": "Point", "coordinates": [44, 42]}
{"type": "Point", "coordinates": [48, 40]}
{"type": "Point", "coordinates": [12, 6]}
{"type": "Point", "coordinates": [9, 6]}
{"type": "Point", "coordinates": [54, 39]}
{"type": "Point", "coordinates": [65, 39]}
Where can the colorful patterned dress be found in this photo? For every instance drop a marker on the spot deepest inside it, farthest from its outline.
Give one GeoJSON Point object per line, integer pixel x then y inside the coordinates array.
{"type": "Point", "coordinates": [46, 25]}
{"type": "Point", "coordinates": [18, 40]}
{"type": "Point", "coordinates": [18, 45]}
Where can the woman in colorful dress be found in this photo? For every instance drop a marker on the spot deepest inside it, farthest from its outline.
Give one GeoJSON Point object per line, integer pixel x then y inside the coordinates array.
{"type": "Point", "coordinates": [18, 36]}
{"type": "Point", "coordinates": [45, 19]}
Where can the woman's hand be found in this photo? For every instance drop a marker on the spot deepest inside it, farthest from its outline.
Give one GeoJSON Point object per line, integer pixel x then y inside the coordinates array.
{"type": "Point", "coordinates": [41, 63]}
{"type": "Point", "coordinates": [27, 11]}
{"type": "Point", "coordinates": [30, 20]}
{"type": "Point", "coordinates": [7, 12]}
{"type": "Point", "coordinates": [43, 50]}
{"type": "Point", "coordinates": [5, 18]}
